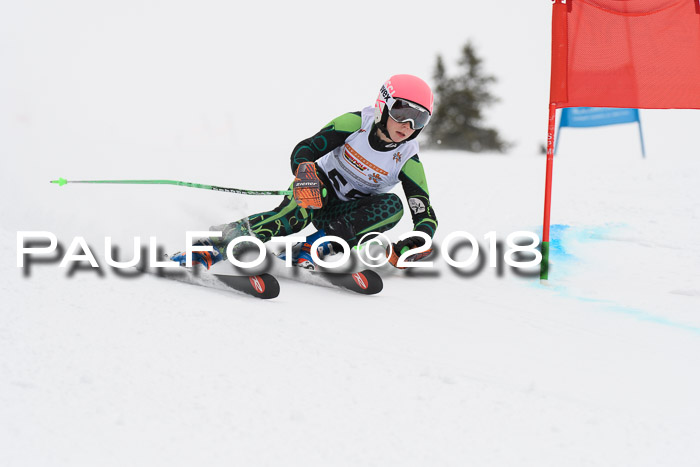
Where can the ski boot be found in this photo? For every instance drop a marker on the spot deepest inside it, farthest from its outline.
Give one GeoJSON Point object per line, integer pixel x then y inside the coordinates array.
{"type": "Point", "coordinates": [301, 252]}
{"type": "Point", "coordinates": [205, 258]}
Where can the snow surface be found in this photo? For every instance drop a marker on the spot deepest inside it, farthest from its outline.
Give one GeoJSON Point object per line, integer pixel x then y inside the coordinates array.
{"type": "Point", "coordinates": [485, 368]}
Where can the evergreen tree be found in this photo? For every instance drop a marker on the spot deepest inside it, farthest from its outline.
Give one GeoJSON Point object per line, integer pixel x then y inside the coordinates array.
{"type": "Point", "coordinates": [459, 103]}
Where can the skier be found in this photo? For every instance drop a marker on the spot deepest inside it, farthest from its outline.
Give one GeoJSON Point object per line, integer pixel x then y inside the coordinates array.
{"type": "Point", "coordinates": [343, 175]}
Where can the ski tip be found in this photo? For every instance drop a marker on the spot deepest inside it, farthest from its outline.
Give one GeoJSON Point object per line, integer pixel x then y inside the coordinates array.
{"type": "Point", "coordinates": [370, 282]}
{"type": "Point", "coordinates": [264, 286]}
{"type": "Point", "coordinates": [365, 282]}
{"type": "Point", "coordinates": [270, 286]}
{"type": "Point", "coordinates": [60, 181]}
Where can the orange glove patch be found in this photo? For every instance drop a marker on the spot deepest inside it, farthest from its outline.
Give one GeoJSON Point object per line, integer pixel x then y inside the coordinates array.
{"type": "Point", "coordinates": [308, 188]}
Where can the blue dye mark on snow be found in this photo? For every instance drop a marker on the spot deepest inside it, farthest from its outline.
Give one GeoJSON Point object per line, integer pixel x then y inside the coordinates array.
{"type": "Point", "coordinates": [641, 315]}
{"type": "Point", "coordinates": [644, 316]}
{"type": "Point", "coordinates": [562, 238]}
{"type": "Point", "coordinates": [556, 243]}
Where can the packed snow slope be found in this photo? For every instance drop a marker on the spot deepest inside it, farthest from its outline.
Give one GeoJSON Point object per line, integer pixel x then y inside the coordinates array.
{"type": "Point", "coordinates": [480, 366]}
{"type": "Point", "coordinates": [445, 367]}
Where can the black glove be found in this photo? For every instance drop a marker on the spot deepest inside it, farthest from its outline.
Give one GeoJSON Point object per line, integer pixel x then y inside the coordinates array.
{"type": "Point", "coordinates": [395, 250]}
{"type": "Point", "coordinates": [408, 244]}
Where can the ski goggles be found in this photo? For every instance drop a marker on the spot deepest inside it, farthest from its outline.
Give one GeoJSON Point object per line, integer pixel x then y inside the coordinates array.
{"type": "Point", "coordinates": [405, 111]}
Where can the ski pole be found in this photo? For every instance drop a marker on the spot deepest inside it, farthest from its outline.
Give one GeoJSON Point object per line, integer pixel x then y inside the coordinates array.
{"type": "Point", "coordinates": [63, 181]}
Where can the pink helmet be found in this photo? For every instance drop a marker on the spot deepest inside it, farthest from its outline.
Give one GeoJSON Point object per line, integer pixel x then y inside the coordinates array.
{"type": "Point", "coordinates": [406, 98]}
